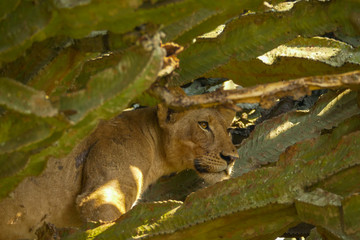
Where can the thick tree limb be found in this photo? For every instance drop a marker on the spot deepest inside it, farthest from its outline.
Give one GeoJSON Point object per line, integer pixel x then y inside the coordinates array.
{"type": "Point", "coordinates": [265, 94]}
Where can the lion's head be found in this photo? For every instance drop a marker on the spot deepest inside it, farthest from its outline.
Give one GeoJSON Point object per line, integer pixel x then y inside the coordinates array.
{"type": "Point", "coordinates": [199, 139]}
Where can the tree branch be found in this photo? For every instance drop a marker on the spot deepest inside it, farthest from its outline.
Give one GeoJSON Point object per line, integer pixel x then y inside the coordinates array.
{"type": "Point", "coordinates": [265, 94]}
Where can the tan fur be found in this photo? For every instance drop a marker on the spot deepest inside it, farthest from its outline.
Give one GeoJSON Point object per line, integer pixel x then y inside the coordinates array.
{"type": "Point", "coordinates": [121, 158]}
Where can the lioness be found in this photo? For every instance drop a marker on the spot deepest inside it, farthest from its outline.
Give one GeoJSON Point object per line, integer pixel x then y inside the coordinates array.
{"type": "Point", "coordinates": [109, 170]}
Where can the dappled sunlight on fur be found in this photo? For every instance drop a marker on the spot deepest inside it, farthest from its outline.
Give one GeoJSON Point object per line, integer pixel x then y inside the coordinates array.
{"type": "Point", "coordinates": [138, 147]}
{"type": "Point", "coordinates": [138, 176]}
{"type": "Point", "coordinates": [108, 194]}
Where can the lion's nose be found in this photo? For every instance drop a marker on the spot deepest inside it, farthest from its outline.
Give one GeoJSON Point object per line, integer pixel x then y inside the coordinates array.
{"type": "Point", "coordinates": [229, 158]}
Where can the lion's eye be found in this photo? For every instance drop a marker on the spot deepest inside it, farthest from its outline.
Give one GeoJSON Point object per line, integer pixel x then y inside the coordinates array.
{"type": "Point", "coordinates": [204, 125]}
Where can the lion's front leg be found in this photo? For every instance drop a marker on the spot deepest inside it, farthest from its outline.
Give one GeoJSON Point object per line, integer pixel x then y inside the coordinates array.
{"type": "Point", "coordinates": [105, 203]}
{"type": "Point", "coordinates": [108, 201]}
{"type": "Point", "coordinates": [109, 187]}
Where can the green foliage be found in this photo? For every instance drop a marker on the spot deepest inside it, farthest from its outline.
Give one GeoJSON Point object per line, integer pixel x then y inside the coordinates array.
{"type": "Point", "coordinates": [272, 29]}
{"type": "Point", "coordinates": [18, 130]}
{"type": "Point", "coordinates": [288, 62]}
{"type": "Point", "coordinates": [271, 138]}
{"type": "Point", "coordinates": [65, 64]}
{"type": "Point", "coordinates": [41, 20]}
{"type": "Point", "coordinates": [24, 99]}
{"type": "Point", "coordinates": [139, 68]}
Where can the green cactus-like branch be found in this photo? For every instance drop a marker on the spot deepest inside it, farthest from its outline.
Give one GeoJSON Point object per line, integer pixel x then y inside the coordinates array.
{"type": "Point", "coordinates": [25, 99]}
{"type": "Point", "coordinates": [139, 68]}
{"type": "Point", "coordinates": [301, 57]}
{"type": "Point", "coordinates": [26, 21]}
{"type": "Point", "coordinates": [252, 35]}
{"type": "Point", "coordinates": [334, 213]}
{"type": "Point", "coordinates": [271, 138]}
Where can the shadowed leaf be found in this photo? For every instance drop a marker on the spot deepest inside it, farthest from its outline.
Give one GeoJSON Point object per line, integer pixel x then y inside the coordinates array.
{"type": "Point", "coordinates": [25, 99]}
{"type": "Point", "coordinates": [236, 41]}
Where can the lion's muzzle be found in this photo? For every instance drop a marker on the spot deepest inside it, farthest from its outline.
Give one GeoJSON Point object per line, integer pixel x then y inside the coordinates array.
{"type": "Point", "coordinates": [215, 163]}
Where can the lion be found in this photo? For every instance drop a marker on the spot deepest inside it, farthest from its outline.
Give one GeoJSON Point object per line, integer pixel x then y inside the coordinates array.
{"type": "Point", "coordinates": [106, 174]}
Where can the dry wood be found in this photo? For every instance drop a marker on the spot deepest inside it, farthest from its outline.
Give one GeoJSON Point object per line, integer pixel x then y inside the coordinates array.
{"type": "Point", "coordinates": [265, 94]}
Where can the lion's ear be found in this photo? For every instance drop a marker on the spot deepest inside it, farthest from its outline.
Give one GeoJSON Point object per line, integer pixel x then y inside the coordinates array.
{"type": "Point", "coordinates": [165, 115]}
{"type": "Point", "coordinates": [227, 112]}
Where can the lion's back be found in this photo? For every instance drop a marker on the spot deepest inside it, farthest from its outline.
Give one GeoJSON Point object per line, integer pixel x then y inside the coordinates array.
{"type": "Point", "coordinates": [46, 198]}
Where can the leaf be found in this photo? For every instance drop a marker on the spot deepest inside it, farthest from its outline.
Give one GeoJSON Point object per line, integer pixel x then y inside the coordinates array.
{"type": "Point", "coordinates": [25, 99]}
{"type": "Point", "coordinates": [36, 22]}
{"type": "Point", "coordinates": [59, 75]}
{"type": "Point", "coordinates": [18, 130]}
{"type": "Point", "coordinates": [34, 59]}
{"type": "Point", "coordinates": [187, 23]}
{"type": "Point", "coordinates": [330, 51]}
{"type": "Point", "coordinates": [225, 12]}
{"type": "Point", "coordinates": [11, 163]}
{"type": "Point", "coordinates": [339, 216]}
{"type": "Point", "coordinates": [236, 40]}
{"type": "Point", "coordinates": [6, 7]}
{"type": "Point", "coordinates": [135, 72]}
{"type": "Point", "coordinates": [288, 65]}
{"type": "Point", "coordinates": [321, 208]}
{"type": "Point", "coordinates": [351, 208]}
{"type": "Point", "coordinates": [26, 20]}
{"type": "Point", "coordinates": [272, 137]}
{"type": "Point", "coordinates": [343, 183]}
